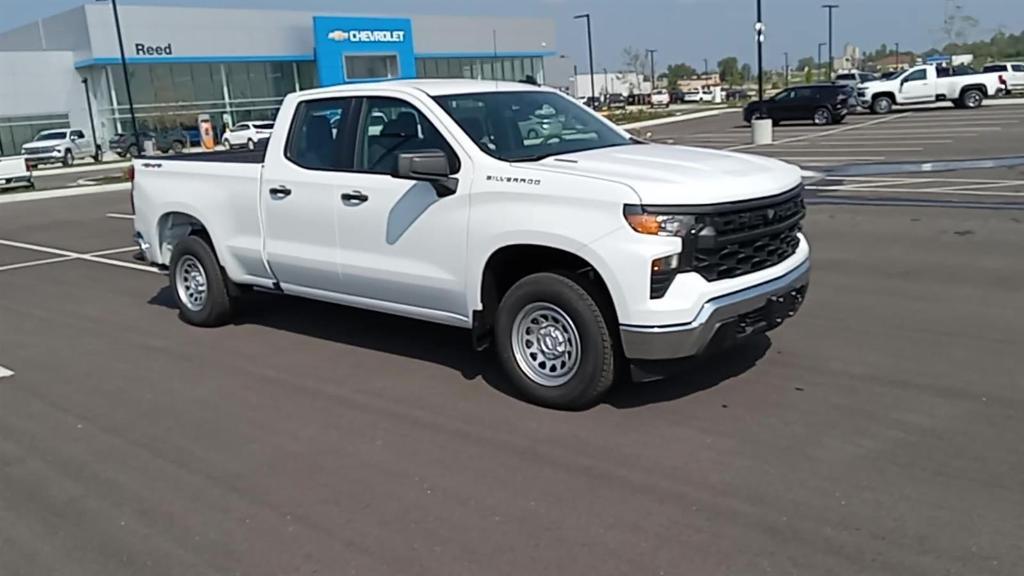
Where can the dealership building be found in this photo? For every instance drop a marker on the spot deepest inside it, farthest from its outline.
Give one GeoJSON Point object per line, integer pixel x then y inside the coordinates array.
{"type": "Point", "coordinates": [234, 65]}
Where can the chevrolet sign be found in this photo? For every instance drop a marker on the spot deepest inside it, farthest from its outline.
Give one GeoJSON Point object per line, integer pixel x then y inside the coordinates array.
{"type": "Point", "coordinates": [367, 35]}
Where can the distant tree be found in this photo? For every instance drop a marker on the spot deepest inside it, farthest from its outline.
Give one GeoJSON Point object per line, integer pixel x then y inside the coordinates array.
{"type": "Point", "coordinates": [746, 73]}
{"type": "Point", "coordinates": [806, 63]}
{"type": "Point", "coordinates": [677, 72]}
{"type": "Point", "coordinates": [808, 75]}
{"type": "Point", "coordinates": [729, 70]}
{"type": "Point", "coordinates": [633, 59]}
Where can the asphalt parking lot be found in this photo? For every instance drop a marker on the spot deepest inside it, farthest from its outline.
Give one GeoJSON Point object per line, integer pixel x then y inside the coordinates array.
{"type": "Point", "coordinates": [876, 433]}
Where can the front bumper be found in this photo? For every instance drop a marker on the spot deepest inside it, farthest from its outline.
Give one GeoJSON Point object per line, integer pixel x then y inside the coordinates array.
{"type": "Point", "coordinates": [750, 311]}
{"type": "Point", "coordinates": [37, 158]}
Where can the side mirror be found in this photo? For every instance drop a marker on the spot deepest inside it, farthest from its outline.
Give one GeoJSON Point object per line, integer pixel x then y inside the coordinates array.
{"type": "Point", "coordinates": [73, 138]}
{"type": "Point", "coordinates": [427, 166]}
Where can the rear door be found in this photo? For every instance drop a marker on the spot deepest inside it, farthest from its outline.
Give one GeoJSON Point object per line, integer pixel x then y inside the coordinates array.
{"type": "Point", "coordinates": [300, 191]}
{"type": "Point", "coordinates": [917, 87]}
{"type": "Point", "coordinates": [1016, 78]}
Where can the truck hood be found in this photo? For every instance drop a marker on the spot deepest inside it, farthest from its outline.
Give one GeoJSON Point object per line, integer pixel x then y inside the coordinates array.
{"type": "Point", "coordinates": [665, 174]}
{"type": "Point", "coordinates": [45, 145]}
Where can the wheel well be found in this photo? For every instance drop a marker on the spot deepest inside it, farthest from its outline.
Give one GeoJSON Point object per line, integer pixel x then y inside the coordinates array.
{"type": "Point", "coordinates": [174, 226]}
{"type": "Point", "coordinates": [509, 264]}
{"type": "Point", "coordinates": [979, 87]}
{"type": "Point", "coordinates": [888, 95]}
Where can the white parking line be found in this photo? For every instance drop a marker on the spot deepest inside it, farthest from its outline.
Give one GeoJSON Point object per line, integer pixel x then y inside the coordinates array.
{"type": "Point", "coordinates": [915, 191]}
{"type": "Point", "coordinates": [121, 216]}
{"type": "Point", "coordinates": [79, 256]}
{"type": "Point", "coordinates": [62, 193]}
{"type": "Point", "coordinates": [35, 263]}
{"type": "Point", "coordinates": [828, 158]}
{"type": "Point", "coordinates": [5, 372]}
{"type": "Point", "coordinates": [802, 147]}
{"type": "Point", "coordinates": [830, 132]}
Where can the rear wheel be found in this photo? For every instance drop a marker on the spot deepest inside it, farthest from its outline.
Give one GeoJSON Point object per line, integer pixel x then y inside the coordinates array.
{"type": "Point", "coordinates": [971, 99]}
{"type": "Point", "coordinates": [69, 158]}
{"type": "Point", "coordinates": [554, 343]}
{"type": "Point", "coordinates": [822, 117]}
{"type": "Point", "coordinates": [532, 134]}
{"type": "Point", "coordinates": [198, 284]}
{"type": "Point", "coordinates": [133, 150]}
{"type": "Point", "coordinates": [251, 144]}
{"type": "Point", "coordinates": [177, 147]}
{"type": "Point", "coordinates": [881, 105]}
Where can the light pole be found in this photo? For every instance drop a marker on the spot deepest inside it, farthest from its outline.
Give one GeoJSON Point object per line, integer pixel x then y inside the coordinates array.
{"type": "Point", "coordinates": [590, 52]}
{"type": "Point", "coordinates": [820, 46]}
{"type": "Point", "coordinates": [705, 72]}
{"type": "Point", "coordinates": [759, 30]}
{"type": "Point", "coordinates": [650, 52]}
{"type": "Point", "coordinates": [787, 68]}
{"type": "Point", "coordinates": [124, 70]}
{"type": "Point", "coordinates": [606, 81]}
{"type": "Point", "coordinates": [92, 122]}
{"type": "Point", "coordinates": [897, 55]}
{"type": "Point", "coordinates": [830, 8]}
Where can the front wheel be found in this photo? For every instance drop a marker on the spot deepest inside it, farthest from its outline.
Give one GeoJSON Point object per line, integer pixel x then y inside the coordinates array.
{"type": "Point", "coordinates": [881, 105]}
{"type": "Point", "coordinates": [554, 342]}
{"type": "Point", "coordinates": [198, 284]}
{"type": "Point", "coordinates": [69, 158]}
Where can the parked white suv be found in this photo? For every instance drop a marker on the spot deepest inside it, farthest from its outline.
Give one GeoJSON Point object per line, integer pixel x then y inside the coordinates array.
{"type": "Point", "coordinates": [1012, 71]}
{"type": "Point", "coordinates": [660, 98]}
{"type": "Point", "coordinates": [247, 134]}
{"type": "Point", "coordinates": [58, 146]}
{"type": "Point", "coordinates": [574, 256]}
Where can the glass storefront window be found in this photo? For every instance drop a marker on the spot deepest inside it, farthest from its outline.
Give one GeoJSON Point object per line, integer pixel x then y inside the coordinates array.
{"type": "Point", "coordinates": [512, 69]}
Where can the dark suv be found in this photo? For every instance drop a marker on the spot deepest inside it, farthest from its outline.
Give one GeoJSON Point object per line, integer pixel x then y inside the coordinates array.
{"type": "Point", "coordinates": [821, 104]}
{"type": "Point", "coordinates": [166, 141]}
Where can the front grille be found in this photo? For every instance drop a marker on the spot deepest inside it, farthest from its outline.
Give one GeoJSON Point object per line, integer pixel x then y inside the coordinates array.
{"type": "Point", "coordinates": [743, 239]}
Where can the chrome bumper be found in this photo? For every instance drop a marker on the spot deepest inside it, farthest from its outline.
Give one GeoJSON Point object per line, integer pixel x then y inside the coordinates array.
{"type": "Point", "coordinates": [752, 311]}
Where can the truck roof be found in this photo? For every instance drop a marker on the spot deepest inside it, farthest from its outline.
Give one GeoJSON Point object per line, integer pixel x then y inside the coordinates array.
{"type": "Point", "coordinates": [433, 87]}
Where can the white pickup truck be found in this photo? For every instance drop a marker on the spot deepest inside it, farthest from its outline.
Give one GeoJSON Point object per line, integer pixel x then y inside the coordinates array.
{"type": "Point", "coordinates": [576, 255]}
{"type": "Point", "coordinates": [928, 84]}
{"type": "Point", "coordinates": [15, 171]}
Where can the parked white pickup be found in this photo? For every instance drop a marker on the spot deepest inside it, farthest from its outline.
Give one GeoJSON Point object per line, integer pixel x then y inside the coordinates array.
{"type": "Point", "coordinates": [573, 253]}
{"type": "Point", "coordinates": [14, 171]}
{"type": "Point", "coordinates": [928, 84]}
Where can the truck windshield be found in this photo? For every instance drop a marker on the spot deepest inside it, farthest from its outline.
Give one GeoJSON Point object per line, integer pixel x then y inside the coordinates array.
{"type": "Point", "coordinates": [529, 125]}
{"type": "Point", "coordinates": [44, 136]}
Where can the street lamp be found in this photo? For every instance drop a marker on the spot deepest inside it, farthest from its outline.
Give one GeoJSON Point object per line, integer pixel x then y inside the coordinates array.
{"type": "Point", "coordinates": [92, 121]}
{"type": "Point", "coordinates": [590, 52]}
{"type": "Point", "coordinates": [606, 92]}
{"type": "Point", "coordinates": [650, 52]}
{"type": "Point", "coordinates": [705, 72]}
{"type": "Point", "coordinates": [759, 32]}
{"type": "Point", "coordinates": [820, 46]}
{"type": "Point", "coordinates": [897, 55]}
{"type": "Point", "coordinates": [830, 8]}
{"type": "Point", "coordinates": [124, 70]}
{"type": "Point", "coordinates": [787, 68]}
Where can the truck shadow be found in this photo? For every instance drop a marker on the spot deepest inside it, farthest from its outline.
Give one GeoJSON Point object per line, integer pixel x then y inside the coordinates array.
{"type": "Point", "coordinates": [448, 346]}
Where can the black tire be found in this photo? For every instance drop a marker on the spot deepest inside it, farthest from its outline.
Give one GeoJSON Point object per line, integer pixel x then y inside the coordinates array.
{"type": "Point", "coordinates": [69, 158]}
{"type": "Point", "coordinates": [881, 105]}
{"type": "Point", "coordinates": [226, 143]}
{"type": "Point", "coordinates": [133, 151]}
{"type": "Point", "coordinates": [532, 134]}
{"type": "Point", "coordinates": [822, 117]}
{"type": "Point", "coordinates": [216, 306]}
{"type": "Point", "coordinates": [595, 342]}
{"type": "Point", "coordinates": [972, 99]}
{"type": "Point", "coordinates": [177, 147]}
{"type": "Point", "coordinates": [251, 144]}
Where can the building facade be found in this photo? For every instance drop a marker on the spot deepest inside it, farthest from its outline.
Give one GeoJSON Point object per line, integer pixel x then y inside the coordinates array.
{"type": "Point", "coordinates": [235, 65]}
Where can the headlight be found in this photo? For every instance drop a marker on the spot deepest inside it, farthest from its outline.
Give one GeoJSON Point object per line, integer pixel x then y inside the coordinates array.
{"type": "Point", "coordinates": [680, 225]}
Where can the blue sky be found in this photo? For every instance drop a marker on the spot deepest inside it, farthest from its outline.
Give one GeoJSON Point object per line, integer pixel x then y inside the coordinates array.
{"type": "Point", "coordinates": [681, 30]}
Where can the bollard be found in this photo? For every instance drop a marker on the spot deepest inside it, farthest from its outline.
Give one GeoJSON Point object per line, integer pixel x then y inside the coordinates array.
{"type": "Point", "coordinates": [149, 146]}
{"type": "Point", "coordinates": [762, 129]}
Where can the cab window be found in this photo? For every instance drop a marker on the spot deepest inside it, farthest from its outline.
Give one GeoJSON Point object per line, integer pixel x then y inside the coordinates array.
{"type": "Point", "coordinates": [317, 138]}
{"type": "Point", "coordinates": [390, 127]}
{"type": "Point", "coordinates": [916, 76]}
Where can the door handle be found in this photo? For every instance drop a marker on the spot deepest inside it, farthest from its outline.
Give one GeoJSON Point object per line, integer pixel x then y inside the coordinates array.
{"type": "Point", "coordinates": [280, 192]}
{"type": "Point", "coordinates": [354, 197]}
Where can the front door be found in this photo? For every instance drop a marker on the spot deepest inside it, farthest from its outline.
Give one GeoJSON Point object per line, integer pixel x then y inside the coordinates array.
{"type": "Point", "coordinates": [917, 87]}
{"type": "Point", "coordinates": [299, 195]}
{"type": "Point", "coordinates": [399, 242]}
{"type": "Point", "coordinates": [83, 146]}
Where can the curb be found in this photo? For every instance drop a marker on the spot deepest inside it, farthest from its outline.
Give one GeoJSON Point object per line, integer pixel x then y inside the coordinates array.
{"type": "Point", "coordinates": [62, 193]}
{"type": "Point", "coordinates": [679, 118]}
{"type": "Point", "coordinates": [80, 169]}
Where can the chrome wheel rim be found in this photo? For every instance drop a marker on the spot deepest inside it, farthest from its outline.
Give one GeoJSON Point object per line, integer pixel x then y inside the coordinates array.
{"type": "Point", "coordinates": [546, 344]}
{"type": "Point", "coordinates": [190, 282]}
{"type": "Point", "coordinates": [884, 105]}
{"type": "Point", "coordinates": [821, 117]}
{"type": "Point", "coordinates": [972, 99]}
